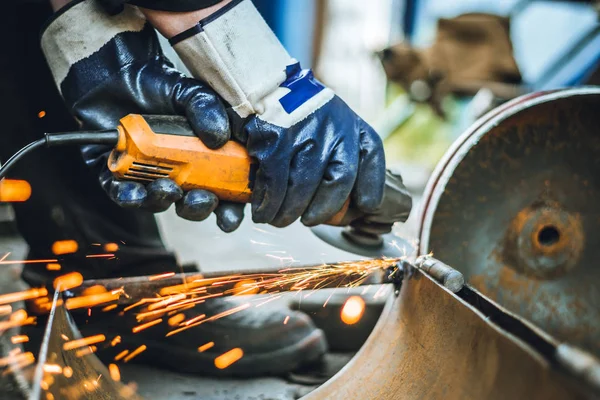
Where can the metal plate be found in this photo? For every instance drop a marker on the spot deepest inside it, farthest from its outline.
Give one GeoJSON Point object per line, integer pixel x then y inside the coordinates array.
{"type": "Point", "coordinates": [429, 344]}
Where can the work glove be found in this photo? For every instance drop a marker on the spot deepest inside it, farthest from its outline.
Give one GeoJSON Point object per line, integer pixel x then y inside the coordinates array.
{"type": "Point", "coordinates": [313, 151]}
{"type": "Point", "coordinates": [109, 66]}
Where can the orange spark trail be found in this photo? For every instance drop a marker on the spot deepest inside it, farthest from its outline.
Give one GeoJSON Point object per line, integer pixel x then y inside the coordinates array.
{"type": "Point", "coordinates": [68, 281]}
{"type": "Point", "coordinates": [115, 341]}
{"type": "Point", "coordinates": [73, 344]}
{"type": "Point", "coordinates": [12, 262]}
{"type": "Point", "coordinates": [147, 325]}
{"type": "Point", "coordinates": [53, 369]}
{"type": "Point", "coordinates": [100, 255]}
{"type": "Point", "coordinates": [206, 346]}
{"type": "Point", "coordinates": [135, 353]}
{"type": "Point", "coordinates": [24, 295]}
{"type": "Point", "coordinates": [213, 318]}
{"type": "Point", "coordinates": [122, 354]}
{"type": "Point", "coordinates": [161, 276]}
{"type": "Point", "coordinates": [85, 351]}
{"type": "Point", "coordinates": [176, 319]}
{"type": "Point", "coordinates": [19, 339]}
{"type": "Point", "coordinates": [115, 374]}
{"type": "Point", "coordinates": [93, 300]}
{"type": "Point", "coordinates": [226, 359]}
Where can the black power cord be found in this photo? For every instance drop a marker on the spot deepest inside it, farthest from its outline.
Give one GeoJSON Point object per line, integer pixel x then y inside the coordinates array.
{"type": "Point", "coordinates": [108, 137]}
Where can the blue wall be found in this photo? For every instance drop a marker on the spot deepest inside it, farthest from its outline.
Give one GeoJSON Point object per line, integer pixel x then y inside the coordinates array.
{"type": "Point", "coordinates": [293, 23]}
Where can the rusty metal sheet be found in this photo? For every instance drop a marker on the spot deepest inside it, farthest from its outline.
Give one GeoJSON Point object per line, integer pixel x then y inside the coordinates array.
{"type": "Point", "coordinates": [87, 377]}
{"type": "Point", "coordinates": [431, 344]}
{"type": "Point", "coordinates": [514, 206]}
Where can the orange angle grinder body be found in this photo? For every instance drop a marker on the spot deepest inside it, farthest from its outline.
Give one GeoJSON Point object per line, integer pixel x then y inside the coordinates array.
{"type": "Point", "coordinates": [157, 146]}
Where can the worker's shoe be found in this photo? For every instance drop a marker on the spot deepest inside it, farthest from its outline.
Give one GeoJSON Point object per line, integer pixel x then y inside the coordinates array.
{"type": "Point", "coordinates": [272, 340]}
{"type": "Point", "coordinates": [271, 343]}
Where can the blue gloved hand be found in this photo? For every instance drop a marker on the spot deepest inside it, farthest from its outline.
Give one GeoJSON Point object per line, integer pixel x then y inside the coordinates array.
{"type": "Point", "coordinates": [109, 66]}
{"type": "Point", "coordinates": [312, 167]}
{"type": "Point", "coordinates": [313, 151]}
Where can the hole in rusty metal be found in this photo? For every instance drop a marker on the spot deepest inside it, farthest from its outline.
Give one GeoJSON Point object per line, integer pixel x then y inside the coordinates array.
{"type": "Point", "coordinates": [548, 235]}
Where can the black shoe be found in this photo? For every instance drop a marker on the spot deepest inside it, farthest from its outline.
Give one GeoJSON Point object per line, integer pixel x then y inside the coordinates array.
{"type": "Point", "coordinates": [272, 343]}
{"type": "Point", "coordinates": [274, 340]}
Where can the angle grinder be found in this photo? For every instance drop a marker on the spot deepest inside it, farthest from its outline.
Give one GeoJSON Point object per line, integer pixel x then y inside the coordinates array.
{"type": "Point", "coordinates": [151, 147]}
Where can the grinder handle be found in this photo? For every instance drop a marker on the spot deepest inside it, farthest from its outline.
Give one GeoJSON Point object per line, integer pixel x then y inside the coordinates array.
{"type": "Point", "coordinates": [150, 145]}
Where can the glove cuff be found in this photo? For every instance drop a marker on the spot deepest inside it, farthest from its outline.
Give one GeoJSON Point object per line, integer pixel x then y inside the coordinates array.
{"type": "Point", "coordinates": [79, 31]}
{"type": "Point", "coordinates": [235, 51]}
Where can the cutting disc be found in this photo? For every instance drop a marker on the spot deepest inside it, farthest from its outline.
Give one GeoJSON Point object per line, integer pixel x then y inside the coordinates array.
{"type": "Point", "coordinates": [391, 246]}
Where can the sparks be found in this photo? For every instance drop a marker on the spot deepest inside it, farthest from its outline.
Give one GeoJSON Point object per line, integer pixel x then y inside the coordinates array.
{"type": "Point", "coordinates": [61, 247]}
{"type": "Point", "coordinates": [92, 300]}
{"type": "Point", "coordinates": [161, 276]}
{"type": "Point", "coordinates": [68, 281]}
{"type": "Point", "coordinates": [115, 341]}
{"type": "Point", "coordinates": [176, 319]}
{"type": "Point", "coordinates": [147, 325]}
{"type": "Point", "coordinates": [13, 262]}
{"type": "Point", "coordinates": [226, 359]}
{"type": "Point", "coordinates": [108, 255]}
{"type": "Point", "coordinates": [52, 369]}
{"type": "Point", "coordinates": [24, 295]}
{"type": "Point", "coordinates": [19, 339]}
{"type": "Point", "coordinates": [73, 344]}
{"type": "Point", "coordinates": [122, 354]}
{"type": "Point", "coordinates": [213, 318]}
{"type": "Point", "coordinates": [115, 374]}
{"type": "Point", "coordinates": [135, 353]}
{"type": "Point", "coordinates": [206, 346]}
{"type": "Point", "coordinates": [85, 351]}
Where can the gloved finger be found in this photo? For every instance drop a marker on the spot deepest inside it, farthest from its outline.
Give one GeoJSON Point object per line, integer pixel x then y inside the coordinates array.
{"type": "Point", "coordinates": [335, 187]}
{"type": "Point", "coordinates": [196, 205]}
{"type": "Point", "coordinates": [237, 124]}
{"type": "Point", "coordinates": [269, 190]}
{"type": "Point", "coordinates": [229, 215]}
{"type": "Point", "coordinates": [161, 194]}
{"type": "Point", "coordinates": [206, 114]}
{"type": "Point", "coordinates": [127, 194]}
{"type": "Point", "coordinates": [368, 189]}
{"type": "Point", "coordinates": [303, 181]}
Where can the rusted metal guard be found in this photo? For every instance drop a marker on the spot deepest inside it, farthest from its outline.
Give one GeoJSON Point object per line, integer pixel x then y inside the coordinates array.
{"type": "Point", "coordinates": [515, 206]}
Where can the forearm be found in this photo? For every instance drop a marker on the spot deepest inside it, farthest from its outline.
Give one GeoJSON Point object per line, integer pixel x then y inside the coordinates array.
{"type": "Point", "coordinates": [170, 24]}
{"type": "Point", "coordinates": [58, 4]}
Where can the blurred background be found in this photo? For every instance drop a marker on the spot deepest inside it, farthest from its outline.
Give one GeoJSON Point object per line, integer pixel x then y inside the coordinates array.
{"type": "Point", "coordinates": [421, 72]}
